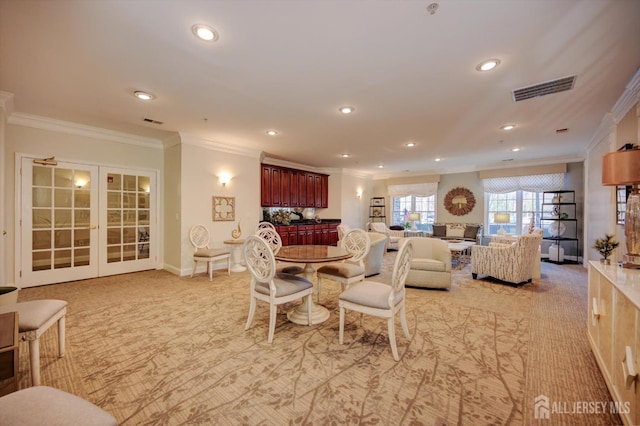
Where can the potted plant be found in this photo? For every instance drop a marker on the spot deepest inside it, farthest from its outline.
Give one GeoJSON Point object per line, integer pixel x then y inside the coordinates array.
{"type": "Point", "coordinates": [606, 246]}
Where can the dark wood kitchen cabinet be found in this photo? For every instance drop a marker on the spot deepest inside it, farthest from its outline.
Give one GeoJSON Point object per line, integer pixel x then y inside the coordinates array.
{"type": "Point", "coordinates": [284, 187]}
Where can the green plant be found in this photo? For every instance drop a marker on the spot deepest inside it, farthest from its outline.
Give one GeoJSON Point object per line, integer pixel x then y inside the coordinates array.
{"type": "Point", "coordinates": [606, 245]}
{"type": "Point", "coordinates": [282, 217]}
{"type": "Point", "coordinates": [406, 225]}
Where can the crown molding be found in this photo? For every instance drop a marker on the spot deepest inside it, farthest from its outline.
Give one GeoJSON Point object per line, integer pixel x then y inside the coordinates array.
{"type": "Point", "coordinates": [44, 123]}
{"type": "Point", "coordinates": [188, 139]}
{"type": "Point", "coordinates": [629, 98]}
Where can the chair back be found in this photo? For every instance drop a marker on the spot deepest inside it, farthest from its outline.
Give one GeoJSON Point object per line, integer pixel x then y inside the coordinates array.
{"type": "Point", "coordinates": [199, 236]}
{"type": "Point", "coordinates": [272, 238]}
{"type": "Point", "coordinates": [357, 243]}
{"type": "Point", "coordinates": [264, 225]}
{"type": "Point", "coordinates": [343, 229]}
{"type": "Point", "coordinates": [401, 268]}
{"type": "Point", "coordinates": [259, 259]}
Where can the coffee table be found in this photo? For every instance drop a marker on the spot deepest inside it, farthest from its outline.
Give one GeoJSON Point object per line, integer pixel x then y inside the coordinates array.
{"type": "Point", "coordinates": [460, 252]}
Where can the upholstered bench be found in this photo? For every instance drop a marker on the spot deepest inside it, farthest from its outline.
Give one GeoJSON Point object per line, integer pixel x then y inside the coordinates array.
{"type": "Point", "coordinates": [34, 318]}
{"type": "Point", "coordinates": [42, 405]}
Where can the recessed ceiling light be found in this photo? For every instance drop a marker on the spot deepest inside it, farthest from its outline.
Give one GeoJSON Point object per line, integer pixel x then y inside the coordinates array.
{"type": "Point", "coordinates": [346, 109]}
{"type": "Point", "coordinates": [437, 159]}
{"type": "Point", "coordinates": [381, 166]}
{"type": "Point", "coordinates": [145, 96]}
{"type": "Point", "coordinates": [271, 132]}
{"type": "Point", "coordinates": [488, 65]}
{"type": "Point", "coordinates": [345, 155]}
{"type": "Point", "coordinates": [410, 144]}
{"type": "Point", "coordinates": [508, 127]}
{"type": "Point", "coordinates": [205, 32]}
{"type": "Point", "coordinates": [515, 149]}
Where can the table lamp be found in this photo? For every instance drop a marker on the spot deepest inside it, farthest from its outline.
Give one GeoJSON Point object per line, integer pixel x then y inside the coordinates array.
{"type": "Point", "coordinates": [623, 168]}
{"type": "Point", "coordinates": [414, 217]}
{"type": "Point", "coordinates": [502, 218]}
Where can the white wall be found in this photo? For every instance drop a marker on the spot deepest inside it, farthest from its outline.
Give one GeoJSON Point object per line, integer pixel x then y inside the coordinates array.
{"type": "Point", "coordinates": [200, 168]}
{"type": "Point", "coordinates": [355, 210]}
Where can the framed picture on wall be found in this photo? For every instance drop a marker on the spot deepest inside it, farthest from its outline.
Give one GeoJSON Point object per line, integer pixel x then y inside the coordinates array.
{"type": "Point", "coordinates": [622, 193]}
{"type": "Point", "coordinates": [224, 208]}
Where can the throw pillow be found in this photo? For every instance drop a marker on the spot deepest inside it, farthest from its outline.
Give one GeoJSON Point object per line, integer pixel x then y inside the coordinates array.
{"type": "Point", "coordinates": [455, 231]}
{"type": "Point", "coordinates": [471, 231]}
{"type": "Point", "coordinates": [396, 228]}
{"type": "Point", "coordinates": [439, 231]}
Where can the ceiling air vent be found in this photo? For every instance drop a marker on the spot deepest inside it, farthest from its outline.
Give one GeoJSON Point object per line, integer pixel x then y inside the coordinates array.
{"type": "Point", "coordinates": [149, 120]}
{"type": "Point", "coordinates": [542, 89]}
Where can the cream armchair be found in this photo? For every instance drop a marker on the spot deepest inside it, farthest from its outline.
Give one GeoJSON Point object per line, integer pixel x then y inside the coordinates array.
{"type": "Point", "coordinates": [536, 272]}
{"type": "Point", "coordinates": [393, 237]}
{"type": "Point", "coordinates": [430, 264]}
{"type": "Point", "coordinates": [513, 263]}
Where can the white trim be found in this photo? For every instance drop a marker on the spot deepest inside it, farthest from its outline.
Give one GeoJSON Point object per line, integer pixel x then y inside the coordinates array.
{"type": "Point", "coordinates": [628, 99]}
{"type": "Point", "coordinates": [6, 102]}
{"type": "Point", "coordinates": [607, 125]}
{"type": "Point", "coordinates": [188, 139]}
{"type": "Point", "coordinates": [44, 123]}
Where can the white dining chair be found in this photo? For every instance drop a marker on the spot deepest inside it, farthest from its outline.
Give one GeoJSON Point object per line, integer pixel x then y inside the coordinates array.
{"type": "Point", "coordinates": [357, 243]}
{"type": "Point", "coordinates": [275, 242]}
{"type": "Point", "coordinates": [199, 237]}
{"type": "Point", "coordinates": [264, 225]}
{"type": "Point", "coordinates": [380, 299]}
{"type": "Point", "coordinates": [270, 287]}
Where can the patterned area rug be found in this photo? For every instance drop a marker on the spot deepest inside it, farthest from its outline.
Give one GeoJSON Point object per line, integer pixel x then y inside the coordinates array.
{"type": "Point", "coordinates": [153, 348]}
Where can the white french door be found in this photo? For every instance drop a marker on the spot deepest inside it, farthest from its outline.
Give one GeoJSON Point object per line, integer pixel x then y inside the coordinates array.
{"type": "Point", "coordinates": [81, 221]}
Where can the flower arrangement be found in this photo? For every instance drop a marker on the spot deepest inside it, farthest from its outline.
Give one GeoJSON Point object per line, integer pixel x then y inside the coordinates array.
{"type": "Point", "coordinates": [281, 217]}
{"type": "Point", "coordinates": [606, 246]}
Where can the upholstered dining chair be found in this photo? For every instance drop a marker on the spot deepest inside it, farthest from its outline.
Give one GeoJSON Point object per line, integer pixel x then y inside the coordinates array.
{"type": "Point", "coordinates": [268, 286]}
{"type": "Point", "coordinates": [343, 229]}
{"type": "Point", "coordinates": [199, 237]}
{"type": "Point", "coordinates": [264, 225]}
{"type": "Point", "coordinates": [275, 242]}
{"type": "Point", "coordinates": [357, 243]}
{"type": "Point", "coordinates": [380, 299]}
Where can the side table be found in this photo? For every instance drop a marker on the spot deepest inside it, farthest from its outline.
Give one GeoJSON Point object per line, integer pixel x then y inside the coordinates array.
{"type": "Point", "coordinates": [236, 254]}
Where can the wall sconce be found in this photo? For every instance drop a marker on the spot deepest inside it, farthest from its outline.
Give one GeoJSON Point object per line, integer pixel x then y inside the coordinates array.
{"type": "Point", "coordinates": [359, 193]}
{"type": "Point", "coordinates": [224, 179]}
{"type": "Point", "coordinates": [80, 183]}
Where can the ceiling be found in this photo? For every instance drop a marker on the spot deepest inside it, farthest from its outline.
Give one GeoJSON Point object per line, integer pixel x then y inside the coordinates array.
{"type": "Point", "coordinates": [289, 65]}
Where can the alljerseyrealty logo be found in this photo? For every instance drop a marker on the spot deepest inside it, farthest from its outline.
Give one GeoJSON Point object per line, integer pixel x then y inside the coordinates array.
{"type": "Point", "coordinates": [543, 408]}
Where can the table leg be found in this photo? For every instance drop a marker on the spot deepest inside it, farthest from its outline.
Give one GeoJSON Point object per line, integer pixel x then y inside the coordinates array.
{"type": "Point", "coordinates": [236, 256]}
{"type": "Point", "coordinates": [318, 313]}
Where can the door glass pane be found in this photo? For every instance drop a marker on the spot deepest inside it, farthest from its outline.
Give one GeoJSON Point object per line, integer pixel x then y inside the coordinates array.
{"type": "Point", "coordinates": [41, 240]}
{"type": "Point", "coordinates": [41, 176]}
{"type": "Point", "coordinates": [113, 200]}
{"type": "Point", "coordinates": [63, 198]}
{"type": "Point", "coordinates": [41, 218]}
{"type": "Point", "coordinates": [114, 182]}
{"type": "Point", "coordinates": [113, 236]}
{"type": "Point", "coordinates": [129, 252]}
{"type": "Point", "coordinates": [41, 260]}
{"type": "Point", "coordinates": [82, 198]}
{"type": "Point", "coordinates": [129, 235]}
{"type": "Point", "coordinates": [63, 239]}
{"type": "Point", "coordinates": [129, 183]}
{"type": "Point", "coordinates": [113, 254]}
{"type": "Point", "coordinates": [129, 217]}
{"type": "Point", "coordinates": [62, 259]}
{"type": "Point", "coordinates": [114, 218]}
{"type": "Point", "coordinates": [81, 257]}
{"type": "Point", "coordinates": [82, 238]}
{"type": "Point", "coordinates": [63, 178]}
{"type": "Point", "coordinates": [81, 218]}
{"type": "Point", "coordinates": [41, 197]}
{"type": "Point", "coordinates": [128, 200]}
{"type": "Point", "coordinates": [82, 179]}
{"type": "Point", "coordinates": [62, 218]}
{"type": "Point", "coordinates": [144, 184]}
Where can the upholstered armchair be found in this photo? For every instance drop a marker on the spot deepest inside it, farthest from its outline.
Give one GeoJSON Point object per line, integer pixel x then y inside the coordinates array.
{"type": "Point", "coordinates": [508, 240]}
{"type": "Point", "coordinates": [512, 263]}
{"type": "Point", "coordinates": [430, 264]}
{"type": "Point", "coordinates": [393, 237]}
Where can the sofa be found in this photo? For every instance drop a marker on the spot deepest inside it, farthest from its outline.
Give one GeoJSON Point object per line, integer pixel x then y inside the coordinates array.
{"type": "Point", "coordinates": [373, 261]}
{"type": "Point", "coordinates": [458, 231]}
{"type": "Point", "coordinates": [430, 264]}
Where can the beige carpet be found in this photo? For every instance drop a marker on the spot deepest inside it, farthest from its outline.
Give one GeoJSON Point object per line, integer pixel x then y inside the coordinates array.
{"type": "Point", "coordinates": [153, 348]}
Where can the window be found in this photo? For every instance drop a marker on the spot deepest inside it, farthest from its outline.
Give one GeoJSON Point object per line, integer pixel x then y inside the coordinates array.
{"type": "Point", "coordinates": [425, 205]}
{"type": "Point", "coordinates": [522, 207]}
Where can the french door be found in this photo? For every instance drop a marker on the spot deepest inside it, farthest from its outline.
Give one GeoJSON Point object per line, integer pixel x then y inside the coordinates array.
{"type": "Point", "coordinates": [82, 221]}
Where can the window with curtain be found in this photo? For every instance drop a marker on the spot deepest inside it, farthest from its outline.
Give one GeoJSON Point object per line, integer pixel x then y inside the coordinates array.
{"type": "Point", "coordinates": [414, 198]}
{"type": "Point", "coordinates": [519, 196]}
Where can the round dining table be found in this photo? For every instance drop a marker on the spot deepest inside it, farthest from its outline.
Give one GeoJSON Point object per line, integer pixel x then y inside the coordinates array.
{"type": "Point", "coordinates": [310, 255]}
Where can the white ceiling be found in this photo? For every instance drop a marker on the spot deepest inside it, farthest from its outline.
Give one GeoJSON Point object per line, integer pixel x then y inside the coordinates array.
{"type": "Point", "coordinates": [288, 65]}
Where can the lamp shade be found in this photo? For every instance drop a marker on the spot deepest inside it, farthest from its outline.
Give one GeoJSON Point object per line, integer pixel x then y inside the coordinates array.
{"type": "Point", "coordinates": [502, 218]}
{"type": "Point", "coordinates": [621, 167]}
{"type": "Point", "coordinates": [414, 216]}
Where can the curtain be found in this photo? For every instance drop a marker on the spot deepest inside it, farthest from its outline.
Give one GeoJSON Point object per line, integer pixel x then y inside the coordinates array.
{"type": "Point", "coordinates": [534, 183]}
{"type": "Point", "coordinates": [420, 189]}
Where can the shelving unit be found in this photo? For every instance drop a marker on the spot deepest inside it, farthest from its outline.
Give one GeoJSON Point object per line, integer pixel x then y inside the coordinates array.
{"type": "Point", "coordinates": [559, 220]}
{"type": "Point", "coordinates": [377, 209]}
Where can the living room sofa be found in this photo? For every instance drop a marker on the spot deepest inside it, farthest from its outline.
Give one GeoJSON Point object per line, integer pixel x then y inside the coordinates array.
{"type": "Point", "coordinates": [458, 231]}
{"type": "Point", "coordinates": [430, 264]}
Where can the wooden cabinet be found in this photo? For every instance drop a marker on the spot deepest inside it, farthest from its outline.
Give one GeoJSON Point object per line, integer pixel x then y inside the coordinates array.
{"type": "Point", "coordinates": [284, 187]}
{"type": "Point", "coordinates": [309, 234]}
{"type": "Point", "coordinates": [613, 331]}
{"type": "Point", "coordinates": [288, 235]}
{"type": "Point", "coordinates": [333, 234]}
